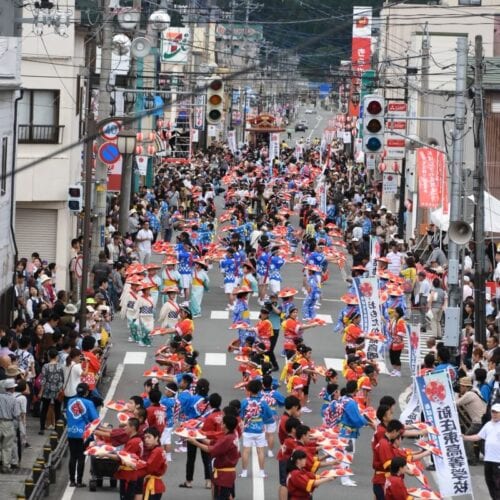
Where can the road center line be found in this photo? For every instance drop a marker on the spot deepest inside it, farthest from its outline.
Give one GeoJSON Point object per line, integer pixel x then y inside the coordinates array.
{"type": "Point", "coordinates": [257, 482]}
{"type": "Point", "coordinates": [68, 492]}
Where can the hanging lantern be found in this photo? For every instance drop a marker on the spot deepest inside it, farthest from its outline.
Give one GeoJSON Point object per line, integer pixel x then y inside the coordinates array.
{"type": "Point", "coordinates": [159, 123]}
{"type": "Point", "coordinates": [139, 149]}
{"type": "Point", "coordinates": [409, 205]}
{"type": "Point", "coordinates": [395, 167]}
{"type": "Point", "coordinates": [381, 167]}
{"type": "Point", "coordinates": [152, 136]}
{"type": "Point", "coordinates": [151, 149]}
{"type": "Point", "coordinates": [95, 148]}
{"type": "Point", "coordinates": [139, 137]}
{"type": "Point", "coordinates": [383, 154]}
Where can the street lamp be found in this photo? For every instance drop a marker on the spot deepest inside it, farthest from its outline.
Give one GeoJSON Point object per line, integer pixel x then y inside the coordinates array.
{"type": "Point", "coordinates": [126, 143]}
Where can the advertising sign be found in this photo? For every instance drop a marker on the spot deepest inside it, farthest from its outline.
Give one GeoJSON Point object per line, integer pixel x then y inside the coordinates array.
{"type": "Point", "coordinates": [174, 46]}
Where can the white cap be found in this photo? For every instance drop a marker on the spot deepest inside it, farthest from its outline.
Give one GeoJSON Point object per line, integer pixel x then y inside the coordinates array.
{"type": "Point", "coordinates": [466, 279]}
{"type": "Point", "coordinates": [496, 408]}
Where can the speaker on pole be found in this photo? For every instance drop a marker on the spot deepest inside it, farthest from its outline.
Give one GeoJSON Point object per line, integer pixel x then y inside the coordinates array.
{"type": "Point", "coordinates": [140, 47]}
{"type": "Point", "coordinates": [460, 232]}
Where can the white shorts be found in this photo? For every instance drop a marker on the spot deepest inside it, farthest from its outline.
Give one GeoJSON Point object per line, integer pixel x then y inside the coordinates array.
{"type": "Point", "coordinates": [270, 428]}
{"type": "Point", "coordinates": [262, 280]}
{"type": "Point", "coordinates": [274, 286]}
{"type": "Point", "coordinates": [186, 280]}
{"type": "Point", "coordinates": [251, 439]}
{"type": "Point", "coordinates": [166, 436]}
{"type": "Point", "coordinates": [229, 287]}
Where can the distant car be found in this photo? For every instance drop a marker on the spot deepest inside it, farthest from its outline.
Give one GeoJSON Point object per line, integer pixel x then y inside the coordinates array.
{"type": "Point", "coordinates": [300, 127]}
{"type": "Point", "coordinates": [309, 111]}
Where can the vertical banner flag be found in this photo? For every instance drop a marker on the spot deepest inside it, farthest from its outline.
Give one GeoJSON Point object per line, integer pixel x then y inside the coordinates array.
{"type": "Point", "coordinates": [412, 411]}
{"type": "Point", "coordinates": [231, 140]}
{"type": "Point", "coordinates": [142, 164]}
{"type": "Point", "coordinates": [361, 53]}
{"type": "Point", "coordinates": [438, 404]}
{"type": "Point", "coordinates": [369, 308]}
{"type": "Point", "coordinates": [374, 255]}
{"type": "Point", "coordinates": [432, 178]}
{"type": "Point", "coordinates": [274, 148]}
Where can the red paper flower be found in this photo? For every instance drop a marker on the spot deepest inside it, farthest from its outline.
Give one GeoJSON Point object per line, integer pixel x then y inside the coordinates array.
{"type": "Point", "coordinates": [435, 391]}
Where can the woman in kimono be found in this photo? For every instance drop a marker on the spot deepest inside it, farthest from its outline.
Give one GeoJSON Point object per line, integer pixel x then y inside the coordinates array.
{"type": "Point", "coordinates": [153, 277]}
{"type": "Point", "coordinates": [169, 313]}
{"type": "Point", "coordinates": [130, 296]}
{"type": "Point", "coordinates": [170, 276]}
{"type": "Point", "coordinates": [240, 312]}
{"type": "Point", "coordinates": [145, 309]}
{"type": "Point", "coordinates": [199, 284]}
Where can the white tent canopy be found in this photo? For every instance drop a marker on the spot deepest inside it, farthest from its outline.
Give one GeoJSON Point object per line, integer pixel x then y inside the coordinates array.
{"type": "Point", "coordinates": [491, 215]}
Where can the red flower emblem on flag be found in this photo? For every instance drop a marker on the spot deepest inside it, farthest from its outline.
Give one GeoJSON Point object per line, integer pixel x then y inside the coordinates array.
{"type": "Point", "coordinates": [366, 289]}
{"type": "Point", "coordinates": [414, 339]}
{"type": "Point", "coordinates": [435, 391]}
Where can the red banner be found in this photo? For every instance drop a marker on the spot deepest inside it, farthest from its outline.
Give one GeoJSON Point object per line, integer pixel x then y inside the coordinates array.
{"type": "Point", "coordinates": [432, 179]}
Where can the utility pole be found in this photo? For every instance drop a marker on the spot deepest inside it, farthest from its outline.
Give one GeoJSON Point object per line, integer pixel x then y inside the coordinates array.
{"type": "Point", "coordinates": [104, 111]}
{"type": "Point", "coordinates": [479, 277]}
{"type": "Point", "coordinates": [456, 172]}
{"type": "Point", "coordinates": [402, 180]}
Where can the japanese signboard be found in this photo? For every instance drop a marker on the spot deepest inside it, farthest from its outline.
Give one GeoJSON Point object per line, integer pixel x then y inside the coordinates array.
{"type": "Point", "coordinates": [438, 404]}
{"type": "Point", "coordinates": [429, 193]}
{"type": "Point", "coordinates": [412, 411]}
{"type": "Point", "coordinates": [175, 45]}
{"type": "Point", "coordinates": [369, 308]}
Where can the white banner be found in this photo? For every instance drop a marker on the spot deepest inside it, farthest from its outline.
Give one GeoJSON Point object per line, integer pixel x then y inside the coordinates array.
{"type": "Point", "coordinates": [374, 255]}
{"type": "Point", "coordinates": [274, 149]}
{"type": "Point", "coordinates": [438, 404]}
{"type": "Point", "coordinates": [142, 164]}
{"type": "Point", "coordinates": [369, 308]}
{"type": "Point", "coordinates": [412, 411]}
{"type": "Point", "coordinates": [231, 140]}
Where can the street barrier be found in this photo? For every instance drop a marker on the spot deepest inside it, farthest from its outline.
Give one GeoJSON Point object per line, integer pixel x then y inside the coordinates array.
{"type": "Point", "coordinates": [43, 472]}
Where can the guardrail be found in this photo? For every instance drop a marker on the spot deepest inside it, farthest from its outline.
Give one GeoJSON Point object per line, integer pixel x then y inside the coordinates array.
{"type": "Point", "coordinates": [44, 469]}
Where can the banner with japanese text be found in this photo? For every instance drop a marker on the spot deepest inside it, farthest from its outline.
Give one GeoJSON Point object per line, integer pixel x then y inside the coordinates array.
{"type": "Point", "coordinates": [231, 140]}
{"type": "Point", "coordinates": [432, 178]}
{"type": "Point", "coordinates": [374, 255]}
{"type": "Point", "coordinates": [412, 411]}
{"type": "Point", "coordinates": [438, 404]}
{"type": "Point", "coordinates": [369, 308]}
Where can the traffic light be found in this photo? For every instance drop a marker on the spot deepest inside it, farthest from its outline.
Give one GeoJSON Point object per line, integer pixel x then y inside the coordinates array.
{"type": "Point", "coordinates": [373, 123]}
{"type": "Point", "coordinates": [215, 101]}
{"type": "Point", "coordinates": [75, 198]}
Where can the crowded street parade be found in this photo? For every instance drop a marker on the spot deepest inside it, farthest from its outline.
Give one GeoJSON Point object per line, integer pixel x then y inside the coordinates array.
{"type": "Point", "coordinates": [282, 258]}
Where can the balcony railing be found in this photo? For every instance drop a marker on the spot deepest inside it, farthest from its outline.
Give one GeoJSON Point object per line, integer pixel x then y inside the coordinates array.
{"type": "Point", "coordinates": [40, 134]}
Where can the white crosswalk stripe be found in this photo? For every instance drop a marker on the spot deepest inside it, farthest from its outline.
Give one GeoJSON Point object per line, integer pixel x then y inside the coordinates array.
{"type": "Point", "coordinates": [254, 315]}
{"type": "Point", "coordinates": [134, 358]}
{"type": "Point", "coordinates": [215, 359]}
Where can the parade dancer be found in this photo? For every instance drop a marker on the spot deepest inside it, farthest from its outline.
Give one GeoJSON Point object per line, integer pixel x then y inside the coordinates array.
{"type": "Point", "coordinates": [263, 267]}
{"type": "Point", "coordinates": [312, 288]}
{"type": "Point", "coordinates": [185, 257]}
{"type": "Point", "coordinates": [228, 268]}
{"type": "Point", "coordinates": [199, 285]}
{"type": "Point", "coordinates": [132, 295]}
{"type": "Point", "coordinates": [145, 309]}
{"type": "Point", "coordinates": [275, 266]}
{"type": "Point", "coordinates": [241, 314]}
{"type": "Point", "coordinates": [248, 279]}
{"type": "Point", "coordinates": [155, 280]}
{"type": "Point", "coordinates": [170, 276]}
{"type": "Point", "coordinates": [169, 312]}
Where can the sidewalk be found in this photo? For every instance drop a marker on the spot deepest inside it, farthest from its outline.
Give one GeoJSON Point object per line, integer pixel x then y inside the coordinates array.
{"type": "Point", "coordinates": [12, 484]}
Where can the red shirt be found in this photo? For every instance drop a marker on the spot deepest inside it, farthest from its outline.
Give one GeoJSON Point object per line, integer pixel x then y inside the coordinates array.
{"type": "Point", "coordinates": [282, 434]}
{"type": "Point", "coordinates": [226, 455]}
{"type": "Point", "coordinates": [156, 416]}
{"type": "Point", "coordinates": [300, 484]}
{"type": "Point", "coordinates": [185, 327]}
{"type": "Point", "coordinates": [398, 335]}
{"type": "Point", "coordinates": [212, 426]}
{"type": "Point", "coordinates": [378, 435]}
{"type": "Point", "coordinates": [156, 465]}
{"type": "Point", "coordinates": [133, 445]}
{"type": "Point", "coordinates": [395, 488]}
{"type": "Point", "coordinates": [383, 453]}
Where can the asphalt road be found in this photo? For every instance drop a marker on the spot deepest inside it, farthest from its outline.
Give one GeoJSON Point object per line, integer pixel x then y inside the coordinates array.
{"type": "Point", "coordinates": [128, 361]}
